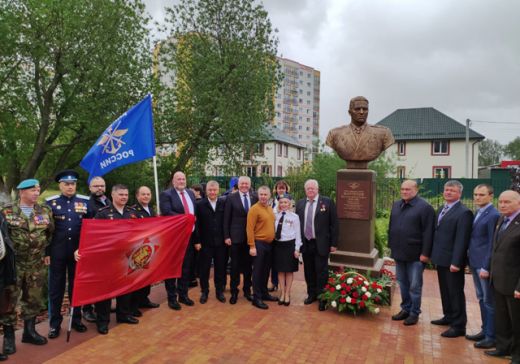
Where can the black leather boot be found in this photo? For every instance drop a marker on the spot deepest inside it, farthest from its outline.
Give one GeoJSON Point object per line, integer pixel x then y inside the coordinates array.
{"type": "Point", "coordinates": [3, 357]}
{"type": "Point", "coordinates": [9, 342]}
{"type": "Point", "coordinates": [30, 335]}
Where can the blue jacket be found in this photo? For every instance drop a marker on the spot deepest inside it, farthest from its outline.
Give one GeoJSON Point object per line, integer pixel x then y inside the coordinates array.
{"type": "Point", "coordinates": [481, 243]}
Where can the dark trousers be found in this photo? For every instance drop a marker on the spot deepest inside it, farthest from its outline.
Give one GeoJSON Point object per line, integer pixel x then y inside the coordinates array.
{"type": "Point", "coordinates": [451, 285]}
{"type": "Point", "coordinates": [59, 269]}
{"type": "Point", "coordinates": [315, 267]}
{"type": "Point", "coordinates": [217, 254]}
{"type": "Point", "coordinates": [179, 286]}
{"type": "Point", "coordinates": [507, 324]}
{"type": "Point", "coordinates": [124, 305]}
{"type": "Point", "coordinates": [261, 264]}
{"type": "Point", "coordinates": [141, 297]}
{"type": "Point", "coordinates": [241, 262]}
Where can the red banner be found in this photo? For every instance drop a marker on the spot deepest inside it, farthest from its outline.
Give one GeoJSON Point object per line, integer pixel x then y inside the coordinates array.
{"type": "Point", "coordinates": [121, 256]}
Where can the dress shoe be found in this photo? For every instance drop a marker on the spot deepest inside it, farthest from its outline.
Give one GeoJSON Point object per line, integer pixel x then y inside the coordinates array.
{"type": "Point", "coordinates": [270, 298]}
{"type": "Point", "coordinates": [477, 337]}
{"type": "Point", "coordinates": [400, 316]}
{"type": "Point", "coordinates": [78, 326]}
{"type": "Point", "coordinates": [185, 300]}
{"type": "Point", "coordinates": [127, 320]}
{"type": "Point", "coordinates": [441, 322]}
{"type": "Point", "coordinates": [280, 302]}
{"type": "Point", "coordinates": [496, 353]}
{"type": "Point", "coordinates": [411, 320]}
{"type": "Point", "coordinates": [451, 333]}
{"type": "Point", "coordinates": [149, 304]}
{"type": "Point", "coordinates": [54, 332]}
{"type": "Point", "coordinates": [102, 329]}
{"type": "Point", "coordinates": [193, 283]}
{"type": "Point", "coordinates": [89, 316]}
{"type": "Point", "coordinates": [221, 297]}
{"type": "Point", "coordinates": [322, 306]}
{"type": "Point", "coordinates": [203, 298]}
{"type": "Point", "coordinates": [233, 298]}
{"type": "Point", "coordinates": [137, 313]}
{"type": "Point", "coordinates": [309, 300]}
{"type": "Point", "coordinates": [485, 344]}
{"type": "Point", "coordinates": [3, 357]}
{"type": "Point", "coordinates": [260, 304]}
{"type": "Point", "coordinates": [174, 305]}
{"type": "Point", "coordinates": [248, 297]}
{"type": "Point", "coordinates": [286, 303]}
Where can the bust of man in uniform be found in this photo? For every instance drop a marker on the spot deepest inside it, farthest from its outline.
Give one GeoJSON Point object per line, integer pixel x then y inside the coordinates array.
{"type": "Point", "coordinates": [358, 142]}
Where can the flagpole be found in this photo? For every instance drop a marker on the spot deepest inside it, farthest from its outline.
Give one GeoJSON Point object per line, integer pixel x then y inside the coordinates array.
{"type": "Point", "coordinates": [69, 328]}
{"type": "Point", "coordinates": [156, 178]}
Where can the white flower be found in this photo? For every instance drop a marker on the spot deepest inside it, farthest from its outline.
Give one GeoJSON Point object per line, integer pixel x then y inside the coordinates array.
{"type": "Point", "coordinates": [338, 275]}
{"type": "Point", "coordinates": [366, 283]}
{"type": "Point", "coordinates": [350, 280]}
{"type": "Point", "coordinates": [368, 294]}
{"type": "Point", "coordinates": [349, 299]}
{"type": "Point", "coordinates": [334, 304]}
{"type": "Point", "coordinates": [364, 289]}
{"type": "Point", "coordinates": [376, 310]}
{"type": "Point", "coordinates": [338, 287]}
{"type": "Point", "coordinates": [378, 290]}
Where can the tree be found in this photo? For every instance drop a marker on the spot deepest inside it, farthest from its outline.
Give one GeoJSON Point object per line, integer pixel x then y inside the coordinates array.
{"type": "Point", "coordinates": [489, 152]}
{"type": "Point", "coordinates": [67, 69]}
{"type": "Point", "coordinates": [512, 149]}
{"type": "Point", "coordinates": [220, 71]}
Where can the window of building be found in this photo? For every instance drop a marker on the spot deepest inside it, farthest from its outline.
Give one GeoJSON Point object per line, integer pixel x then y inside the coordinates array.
{"type": "Point", "coordinates": [441, 147]}
{"type": "Point", "coordinates": [308, 75]}
{"type": "Point", "coordinates": [266, 170]}
{"type": "Point", "coordinates": [441, 171]}
{"type": "Point", "coordinates": [401, 148]}
{"type": "Point", "coordinates": [299, 127]}
{"type": "Point", "coordinates": [279, 147]}
{"type": "Point", "coordinates": [308, 84]}
{"type": "Point", "coordinates": [308, 93]}
{"type": "Point", "coordinates": [286, 150]}
{"type": "Point", "coordinates": [299, 136]}
{"type": "Point", "coordinates": [299, 154]}
{"type": "Point", "coordinates": [300, 100]}
{"type": "Point", "coordinates": [308, 102]}
{"type": "Point", "coordinates": [401, 172]}
{"type": "Point", "coordinates": [251, 171]}
{"type": "Point", "coordinates": [308, 120]}
{"type": "Point", "coordinates": [301, 91]}
{"type": "Point", "coordinates": [301, 73]}
{"type": "Point", "coordinates": [279, 171]}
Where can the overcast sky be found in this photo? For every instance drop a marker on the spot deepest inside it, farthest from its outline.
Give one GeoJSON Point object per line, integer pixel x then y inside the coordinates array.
{"type": "Point", "coordinates": [461, 57]}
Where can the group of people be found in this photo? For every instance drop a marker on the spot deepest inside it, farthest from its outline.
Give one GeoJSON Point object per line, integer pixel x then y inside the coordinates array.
{"type": "Point", "coordinates": [252, 232]}
{"type": "Point", "coordinates": [452, 238]}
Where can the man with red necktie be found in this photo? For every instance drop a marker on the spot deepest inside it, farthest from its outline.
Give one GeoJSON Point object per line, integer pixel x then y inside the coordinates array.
{"type": "Point", "coordinates": [174, 201]}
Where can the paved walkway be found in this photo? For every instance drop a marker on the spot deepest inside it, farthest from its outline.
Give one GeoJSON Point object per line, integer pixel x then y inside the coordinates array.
{"type": "Point", "coordinates": [222, 333]}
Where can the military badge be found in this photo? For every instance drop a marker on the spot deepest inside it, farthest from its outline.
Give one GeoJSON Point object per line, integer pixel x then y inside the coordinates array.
{"type": "Point", "coordinates": [141, 256]}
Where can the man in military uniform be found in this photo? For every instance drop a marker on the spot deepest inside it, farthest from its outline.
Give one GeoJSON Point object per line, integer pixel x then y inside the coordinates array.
{"type": "Point", "coordinates": [68, 210]}
{"type": "Point", "coordinates": [118, 210]}
{"type": "Point", "coordinates": [143, 207]}
{"type": "Point", "coordinates": [30, 227]}
{"type": "Point", "coordinates": [7, 267]}
{"type": "Point", "coordinates": [98, 200]}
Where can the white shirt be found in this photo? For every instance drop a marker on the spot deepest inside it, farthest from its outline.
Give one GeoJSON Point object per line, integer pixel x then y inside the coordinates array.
{"type": "Point", "coordinates": [314, 204]}
{"type": "Point", "coordinates": [248, 199]}
{"type": "Point", "coordinates": [290, 228]}
{"type": "Point", "coordinates": [188, 199]}
{"type": "Point", "coordinates": [213, 204]}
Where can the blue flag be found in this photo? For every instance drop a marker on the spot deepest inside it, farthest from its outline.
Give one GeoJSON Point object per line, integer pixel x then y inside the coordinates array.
{"type": "Point", "coordinates": [127, 140]}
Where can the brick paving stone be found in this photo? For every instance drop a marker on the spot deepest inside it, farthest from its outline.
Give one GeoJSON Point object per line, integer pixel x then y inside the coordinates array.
{"type": "Point", "coordinates": [224, 333]}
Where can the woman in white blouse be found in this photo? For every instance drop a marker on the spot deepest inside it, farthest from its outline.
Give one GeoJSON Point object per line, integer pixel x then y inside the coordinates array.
{"type": "Point", "coordinates": [286, 246]}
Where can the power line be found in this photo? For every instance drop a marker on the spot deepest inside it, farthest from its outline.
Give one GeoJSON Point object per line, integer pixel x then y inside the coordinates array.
{"type": "Point", "coordinates": [495, 122]}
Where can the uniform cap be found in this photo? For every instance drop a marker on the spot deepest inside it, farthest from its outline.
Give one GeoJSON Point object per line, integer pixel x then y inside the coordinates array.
{"type": "Point", "coordinates": [284, 195]}
{"type": "Point", "coordinates": [68, 175]}
{"type": "Point", "coordinates": [28, 183]}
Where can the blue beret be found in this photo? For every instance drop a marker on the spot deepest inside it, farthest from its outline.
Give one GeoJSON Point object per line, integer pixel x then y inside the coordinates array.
{"type": "Point", "coordinates": [28, 183]}
{"type": "Point", "coordinates": [233, 182]}
{"type": "Point", "coordinates": [68, 175]}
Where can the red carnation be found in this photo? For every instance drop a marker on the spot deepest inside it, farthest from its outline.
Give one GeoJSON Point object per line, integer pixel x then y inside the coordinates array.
{"type": "Point", "coordinates": [343, 277]}
{"type": "Point", "coordinates": [364, 297]}
{"type": "Point", "coordinates": [362, 304]}
{"type": "Point", "coordinates": [354, 301]}
{"type": "Point", "coordinates": [343, 292]}
{"type": "Point", "coordinates": [355, 294]}
{"type": "Point", "coordinates": [377, 299]}
{"type": "Point", "coordinates": [342, 300]}
{"type": "Point", "coordinates": [344, 285]}
{"type": "Point", "coordinates": [332, 289]}
{"type": "Point", "coordinates": [348, 289]}
{"type": "Point", "coordinates": [327, 286]}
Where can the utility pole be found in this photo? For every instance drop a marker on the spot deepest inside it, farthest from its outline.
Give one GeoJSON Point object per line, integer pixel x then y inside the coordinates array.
{"type": "Point", "coordinates": [468, 121]}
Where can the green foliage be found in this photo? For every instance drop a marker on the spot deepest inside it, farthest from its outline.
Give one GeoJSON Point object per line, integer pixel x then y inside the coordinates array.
{"type": "Point", "coordinates": [67, 69]}
{"type": "Point", "coordinates": [220, 58]}
{"type": "Point", "coordinates": [512, 149]}
{"type": "Point", "coordinates": [381, 236]}
{"type": "Point", "coordinates": [489, 152]}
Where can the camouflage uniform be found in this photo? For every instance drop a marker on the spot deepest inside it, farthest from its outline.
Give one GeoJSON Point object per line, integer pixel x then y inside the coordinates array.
{"type": "Point", "coordinates": [30, 236]}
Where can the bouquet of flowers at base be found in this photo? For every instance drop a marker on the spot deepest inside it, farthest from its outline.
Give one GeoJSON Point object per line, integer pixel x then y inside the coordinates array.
{"type": "Point", "coordinates": [351, 291]}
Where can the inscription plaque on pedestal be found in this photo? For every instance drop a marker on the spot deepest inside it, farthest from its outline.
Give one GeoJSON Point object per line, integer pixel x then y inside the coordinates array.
{"type": "Point", "coordinates": [354, 199]}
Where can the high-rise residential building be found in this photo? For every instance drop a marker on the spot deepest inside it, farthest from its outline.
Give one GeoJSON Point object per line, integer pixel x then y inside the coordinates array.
{"type": "Point", "coordinates": [297, 104]}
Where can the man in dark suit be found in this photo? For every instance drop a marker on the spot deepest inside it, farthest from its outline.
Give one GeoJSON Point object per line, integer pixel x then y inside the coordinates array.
{"type": "Point", "coordinates": [479, 256]}
{"type": "Point", "coordinates": [210, 242]}
{"type": "Point", "coordinates": [235, 236]}
{"type": "Point", "coordinates": [143, 196]}
{"type": "Point", "coordinates": [175, 201]}
{"type": "Point", "coordinates": [319, 229]}
{"type": "Point", "coordinates": [410, 236]}
{"type": "Point", "coordinates": [505, 277]}
{"type": "Point", "coordinates": [450, 245]}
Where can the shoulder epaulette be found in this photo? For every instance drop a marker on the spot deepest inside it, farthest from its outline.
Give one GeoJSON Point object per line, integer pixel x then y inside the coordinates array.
{"type": "Point", "coordinates": [104, 208]}
{"type": "Point", "coordinates": [54, 197]}
{"type": "Point", "coordinates": [83, 196]}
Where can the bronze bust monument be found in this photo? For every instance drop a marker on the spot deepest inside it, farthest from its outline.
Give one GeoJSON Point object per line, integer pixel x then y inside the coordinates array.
{"type": "Point", "coordinates": [358, 142]}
